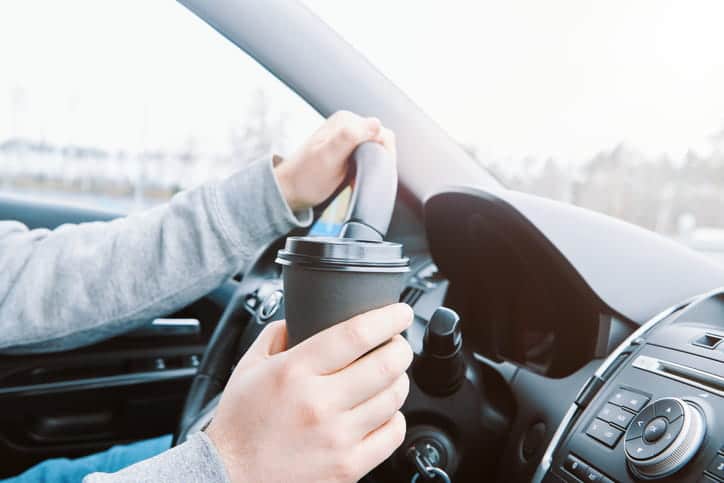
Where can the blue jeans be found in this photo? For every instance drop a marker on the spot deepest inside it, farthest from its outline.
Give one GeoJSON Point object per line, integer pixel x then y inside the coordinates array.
{"type": "Point", "coordinates": [64, 470]}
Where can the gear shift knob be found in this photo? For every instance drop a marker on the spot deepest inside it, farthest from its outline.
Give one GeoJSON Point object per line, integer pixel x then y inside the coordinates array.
{"type": "Point", "coordinates": [443, 336]}
{"type": "Point", "coordinates": [440, 369]}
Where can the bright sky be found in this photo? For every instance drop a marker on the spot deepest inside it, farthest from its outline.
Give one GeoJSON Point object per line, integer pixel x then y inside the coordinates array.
{"type": "Point", "coordinates": [560, 78]}
{"type": "Point", "coordinates": [127, 74]}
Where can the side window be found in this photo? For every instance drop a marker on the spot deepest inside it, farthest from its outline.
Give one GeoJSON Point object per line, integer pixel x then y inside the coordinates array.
{"type": "Point", "coordinates": [120, 105]}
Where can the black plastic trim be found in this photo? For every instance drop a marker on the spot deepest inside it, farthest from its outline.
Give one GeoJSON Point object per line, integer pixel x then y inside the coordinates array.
{"type": "Point", "coordinates": [98, 382]}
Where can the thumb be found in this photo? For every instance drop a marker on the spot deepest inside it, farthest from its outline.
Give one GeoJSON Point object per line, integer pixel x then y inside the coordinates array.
{"type": "Point", "coordinates": [277, 337]}
{"type": "Point", "coordinates": [272, 340]}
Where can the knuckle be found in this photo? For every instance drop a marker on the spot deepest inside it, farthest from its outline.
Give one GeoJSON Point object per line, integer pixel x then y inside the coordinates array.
{"type": "Point", "coordinates": [394, 360]}
{"type": "Point", "coordinates": [387, 369]}
{"type": "Point", "coordinates": [356, 335]}
{"type": "Point", "coordinates": [345, 469]}
{"type": "Point", "coordinates": [346, 133]}
{"type": "Point", "coordinates": [403, 351]}
{"type": "Point", "coordinates": [405, 313]}
{"type": "Point", "coordinates": [387, 134]}
{"type": "Point", "coordinates": [333, 439]}
{"type": "Point", "coordinates": [341, 114]}
{"type": "Point", "coordinates": [400, 428]}
{"type": "Point", "coordinates": [402, 389]}
{"type": "Point", "coordinates": [396, 399]}
{"type": "Point", "coordinates": [287, 372]}
{"type": "Point", "coordinates": [408, 354]}
{"type": "Point", "coordinates": [311, 413]}
{"type": "Point", "coordinates": [397, 429]}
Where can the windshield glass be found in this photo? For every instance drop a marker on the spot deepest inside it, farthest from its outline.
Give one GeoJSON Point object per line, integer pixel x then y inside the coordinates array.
{"type": "Point", "coordinates": [614, 106]}
{"type": "Point", "coordinates": [102, 107]}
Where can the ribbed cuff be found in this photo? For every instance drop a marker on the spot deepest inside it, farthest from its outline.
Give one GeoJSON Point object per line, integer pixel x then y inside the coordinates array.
{"type": "Point", "coordinates": [194, 460]}
{"type": "Point", "coordinates": [215, 465]}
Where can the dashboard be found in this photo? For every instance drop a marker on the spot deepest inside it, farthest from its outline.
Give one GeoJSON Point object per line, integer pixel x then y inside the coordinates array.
{"type": "Point", "coordinates": [651, 411]}
{"type": "Point", "coordinates": [655, 408]}
{"type": "Point", "coordinates": [566, 305]}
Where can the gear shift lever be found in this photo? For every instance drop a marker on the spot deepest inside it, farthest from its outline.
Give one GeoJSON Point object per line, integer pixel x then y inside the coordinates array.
{"type": "Point", "coordinates": [440, 370]}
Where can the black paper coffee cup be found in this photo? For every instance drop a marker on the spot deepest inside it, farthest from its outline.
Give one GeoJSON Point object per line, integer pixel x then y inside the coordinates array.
{"type": "Point", "coordinates": [329, 280]}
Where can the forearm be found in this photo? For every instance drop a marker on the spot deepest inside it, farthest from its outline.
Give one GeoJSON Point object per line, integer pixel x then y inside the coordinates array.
{"type": "Point", "coordinates": [195, 460]}
{"type": "Point", "coordinates": [82, 283]}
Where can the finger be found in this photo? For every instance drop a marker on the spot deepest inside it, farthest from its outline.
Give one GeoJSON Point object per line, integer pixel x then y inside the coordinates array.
{"type": "Point", "coordinates": [349, 131]}
{"type": "Point", "coordinates": [381, 443]}
{"type": "Point", "coordinates": [342, 118]}
{"type": "Point", "coordinates": [372, 373]}
{"type": "Point", "coordinates": [375, 125]}
{"type": "Point", "coordinates": [340, 345]}
{"type": "Point", "coordinates": [387, 139]}
{"type": "Point", "coordinates": [272, 340]}
{"type": "Point", "coordinates": [278, 335]}
{"type": "Point", "coordinates": [375, 411]}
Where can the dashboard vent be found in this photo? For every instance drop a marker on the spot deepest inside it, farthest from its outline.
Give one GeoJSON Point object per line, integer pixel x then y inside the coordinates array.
{"type": "Point", "coordinates": [411, 295]}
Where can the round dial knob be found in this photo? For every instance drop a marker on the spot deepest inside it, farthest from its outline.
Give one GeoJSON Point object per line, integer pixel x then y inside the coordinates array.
{"type": "Point", "coordinates": [663, 437]}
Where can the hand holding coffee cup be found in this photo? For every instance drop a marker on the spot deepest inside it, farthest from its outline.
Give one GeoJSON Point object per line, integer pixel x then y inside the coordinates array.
{"type": "Point", "coordinates": [328, 280]}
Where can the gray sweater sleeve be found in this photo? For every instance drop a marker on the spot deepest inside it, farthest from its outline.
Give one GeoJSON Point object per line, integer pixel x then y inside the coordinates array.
{"type": "Point", "coordinates": [79, 284]}
{"type": "Point", "coordinates": [195, 461]}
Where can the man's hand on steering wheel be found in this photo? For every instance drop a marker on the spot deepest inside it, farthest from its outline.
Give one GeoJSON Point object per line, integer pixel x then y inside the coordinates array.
{"type": "Point", "coordinates": [326, 410]}
{"type": "Point", "coordinates": [314, 171]}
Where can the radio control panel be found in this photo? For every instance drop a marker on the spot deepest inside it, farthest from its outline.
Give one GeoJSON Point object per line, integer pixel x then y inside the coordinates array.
{"type": "Point", "coordinates": [658, 417]}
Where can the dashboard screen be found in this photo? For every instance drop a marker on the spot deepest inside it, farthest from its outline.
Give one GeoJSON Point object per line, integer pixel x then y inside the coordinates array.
{"type": "Point", "coordinates": [330, 223]}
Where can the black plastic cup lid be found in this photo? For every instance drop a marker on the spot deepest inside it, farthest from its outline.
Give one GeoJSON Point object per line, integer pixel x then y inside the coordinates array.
{"type": "Point", "coordinates": [343, 254]}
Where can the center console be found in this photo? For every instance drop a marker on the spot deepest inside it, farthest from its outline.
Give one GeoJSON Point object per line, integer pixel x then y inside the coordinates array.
{"type": "Point", "coordinates": [654, 411]}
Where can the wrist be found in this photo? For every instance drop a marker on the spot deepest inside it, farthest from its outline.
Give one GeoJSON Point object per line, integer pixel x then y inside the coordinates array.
{"type": "Point", "coordinates": [226, 456]}
{"type": "Point", "coordinates": [286, 180]}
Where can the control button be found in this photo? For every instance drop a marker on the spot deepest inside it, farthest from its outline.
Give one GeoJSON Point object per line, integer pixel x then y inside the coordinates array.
{"type": "Point", "coordinates": [639, 423]}
{"type": "Point", "coordinates": [643, 448]}
{"type": "Point", "coordinates": [616, 415]}
{"type": "Point", "coordinates": [622, 418]}
{"type": "Point", "coordinates": [574, 465]}
{"type": "Point", "coordinates": [193, 360]}
{"type": "Point", "coordinates": [584, 472]}
{"type": "Point", "coordinates": [591, 475]}
{"type": "Point", "coordinates": [716, 467]}
{"type": "Point", "coordinates": [629, 399]}
{"type": "Point", "coordinates": [655, 430]}
{"type": "Point", "coordinates": [657, 456]}
{"type": "Point", "coordinates": [639, 450]}
{"type": "Point", "coordinates": [672, 431]}
{"type": "Point", "coordinates": [669, 409]}
{"type": "Point", "coordinates": [607, 412]}
{"type": "Point", "coordinates": [604, 432]}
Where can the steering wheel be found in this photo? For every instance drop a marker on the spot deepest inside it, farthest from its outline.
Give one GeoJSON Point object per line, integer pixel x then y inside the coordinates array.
{"type": "Point", "coordinates": [258, 299]}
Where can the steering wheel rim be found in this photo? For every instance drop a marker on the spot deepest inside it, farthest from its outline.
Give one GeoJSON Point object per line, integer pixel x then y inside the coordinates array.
{"type": "Point", "coordinates": [368, 216]}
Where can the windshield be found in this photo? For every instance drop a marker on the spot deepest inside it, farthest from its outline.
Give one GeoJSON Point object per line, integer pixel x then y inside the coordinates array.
{"type": "Point", "coordinates": [101, 108]}
{"type": "Point", "coordinates": [614, 106]}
